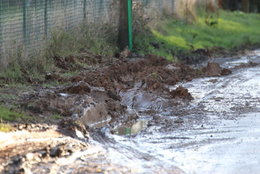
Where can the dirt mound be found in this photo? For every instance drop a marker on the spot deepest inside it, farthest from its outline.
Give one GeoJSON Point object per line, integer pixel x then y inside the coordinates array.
{"type": "Point", "coordinates": [153, 72]}
{"type": "Point", "coordinates": [181, 93]}
{"type": "Point", "coordinates": [80, 103]}
{"type": "Point", "coordinates": [214, 69]}
{"type": "Point", "coordinates": [93, 97]}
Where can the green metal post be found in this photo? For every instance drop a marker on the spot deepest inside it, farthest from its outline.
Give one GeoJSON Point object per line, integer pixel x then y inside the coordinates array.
{"type": "Point", "coordinates": [130, 25]}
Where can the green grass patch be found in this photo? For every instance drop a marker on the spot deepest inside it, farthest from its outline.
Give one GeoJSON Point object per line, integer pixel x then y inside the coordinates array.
{"type": "Point", "coordinates": [56, 117]}
{"type": "Point", "coordinates": [171, 37]}
{"type": "Point", "coordinates": [6, 114]}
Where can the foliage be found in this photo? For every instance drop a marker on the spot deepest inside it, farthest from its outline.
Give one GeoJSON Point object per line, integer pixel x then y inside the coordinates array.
{"type": "Point", "coordinates": [171, 37]}
{"type": "Point", "coordinates": [6, 114]}
{"type": "Point", "coordinates": [96, 39]}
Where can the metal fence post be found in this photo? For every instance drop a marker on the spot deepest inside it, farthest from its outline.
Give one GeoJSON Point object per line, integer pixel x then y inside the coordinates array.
{"type": "Point", "coordinates": [130, 25]}
{"type": "Point", "coordinates": [125, 25]}
{"type": "Point", "coordinates": [46, 18]}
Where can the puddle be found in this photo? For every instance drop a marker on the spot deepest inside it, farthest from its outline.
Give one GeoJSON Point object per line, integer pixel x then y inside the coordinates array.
{"type": "Point", "coordinates": [132, 129]}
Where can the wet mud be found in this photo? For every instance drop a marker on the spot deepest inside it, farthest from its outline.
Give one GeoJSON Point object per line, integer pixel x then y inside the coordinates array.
{"type": "Point", "coordinates": [133, 111]}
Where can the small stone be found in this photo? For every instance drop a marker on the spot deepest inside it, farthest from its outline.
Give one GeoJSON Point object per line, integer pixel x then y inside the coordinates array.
{"type": "Point", "coordinates": [56, 152]}
{"type": "Point", "coordinates": [179, 121]}
{"type": "Point", "coordinates": [29, 156]}
{"type": "Point", "coordinates": [43, 153]}
{"type": "Point", "coordinates": [113, 95]}
{"type": "Point", "coordinates": [17, 160]}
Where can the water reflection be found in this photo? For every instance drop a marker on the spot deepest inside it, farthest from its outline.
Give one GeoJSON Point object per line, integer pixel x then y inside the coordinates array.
{"type": "Point", "coordinates": [132, 129]}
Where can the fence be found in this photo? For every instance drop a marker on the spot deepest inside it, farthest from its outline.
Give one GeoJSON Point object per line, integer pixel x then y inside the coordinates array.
{"type": "Point", "coordinates": [25, 25]}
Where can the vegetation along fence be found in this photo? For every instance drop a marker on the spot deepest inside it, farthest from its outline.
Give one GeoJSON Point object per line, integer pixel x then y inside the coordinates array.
{"type": "Point", "coordinates": [25, 25]}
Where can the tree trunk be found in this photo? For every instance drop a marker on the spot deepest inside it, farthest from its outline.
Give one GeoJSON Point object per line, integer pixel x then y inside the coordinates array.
{"type": "Point", "coordinates": [245, 6]}
{"type": "Point", "coordinates": [123, 25]}
{"type": "Point", "coordinates": [258, 6]}
{"type": "Point", "coordinates": [225, 4]}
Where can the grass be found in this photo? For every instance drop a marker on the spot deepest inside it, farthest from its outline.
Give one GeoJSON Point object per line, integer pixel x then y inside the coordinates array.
{"type": "Point", "coordinates": [87, 38]}
{"type": "Point", "coordinates": [56, 117]}
{"type": "Point", "coordinates": [97, 39]}
{"type": "Point", "coordinates": [6, 114]}
{"type": "Point", "coordinates": [171, 37]}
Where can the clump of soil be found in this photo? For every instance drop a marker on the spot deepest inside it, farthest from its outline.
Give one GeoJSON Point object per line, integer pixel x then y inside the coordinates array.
{"type": "Point", "coordinates": [214, 69]}
{"type": "Point", "coordinates": [78, 88]}
{"type": "Point", "coordinates": [79, 102]}
{"type": "Point", "coordinates": [181, 93]}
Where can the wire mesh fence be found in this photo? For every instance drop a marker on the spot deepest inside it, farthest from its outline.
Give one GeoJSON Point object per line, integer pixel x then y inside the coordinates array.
{"type": "Point", "coordinates": [25, 25]}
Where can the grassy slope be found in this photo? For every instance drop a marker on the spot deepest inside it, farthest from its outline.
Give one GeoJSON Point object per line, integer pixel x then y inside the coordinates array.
{"type": "Point", "coordinates": [233, 29]}
{"type": "Point", "coordinates": [7, 114]}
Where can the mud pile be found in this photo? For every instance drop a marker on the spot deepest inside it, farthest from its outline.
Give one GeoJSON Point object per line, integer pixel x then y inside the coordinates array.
{"type": "Point", "coordinates": [181, 92]}
{"type": "Point", "coordinates": [93, 98]}
{"type": "Point", "coordinates": [214, 69]}
{"type": "Point", "coordinates": [153, 72]}
{"type": "Point", "coordinates": [81, 103]}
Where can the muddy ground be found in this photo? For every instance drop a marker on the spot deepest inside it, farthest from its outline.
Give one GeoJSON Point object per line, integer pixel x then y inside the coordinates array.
{"type": "Point", "coordinates": [88, 102]}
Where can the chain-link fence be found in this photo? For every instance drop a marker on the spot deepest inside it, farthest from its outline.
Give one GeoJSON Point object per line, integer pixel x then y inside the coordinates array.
{"type": "Point", "coordinates": [25, 25]}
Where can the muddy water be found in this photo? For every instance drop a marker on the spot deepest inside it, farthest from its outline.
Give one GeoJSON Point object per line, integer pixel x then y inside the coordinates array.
{"type": "Point", "coordinates": [217, 132]}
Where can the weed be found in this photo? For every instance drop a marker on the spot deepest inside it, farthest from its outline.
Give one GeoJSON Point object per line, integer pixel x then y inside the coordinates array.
{"type": "Point", "coordinates": [98, 40]}
{"type": "Point", "coordinates": [6, 114]}
{"type": "Point", "coordinates": [56, 117]}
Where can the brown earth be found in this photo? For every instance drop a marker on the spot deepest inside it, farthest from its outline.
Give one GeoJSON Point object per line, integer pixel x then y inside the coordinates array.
{"type": "Point", "coordinates": [181, 92]}
{"type": "Point", "coordinates": [93, 94]}
{"type": "Point", "coordinates": [91, 100]}
{"type": "Point", "coordinates": [214, 69]}
{"type": "Point", "coordinates": [99, 88]}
